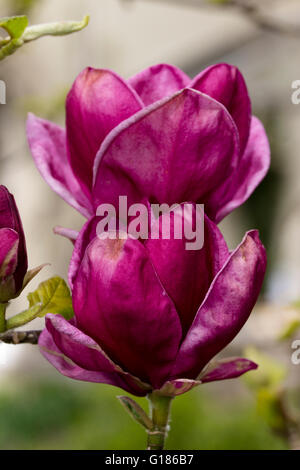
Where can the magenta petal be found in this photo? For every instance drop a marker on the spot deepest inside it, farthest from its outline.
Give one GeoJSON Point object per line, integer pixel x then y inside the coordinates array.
{"type": "Point", "coordinates": [180, 149]}
{"type": "Point", "coordinates": [98, 101]}
{"type": "Point", "coordinates": [127, 310]}
{"type": "Point", "coordinates": [176, 387]}
{"type": "Point", "coordinates": [228, 368]}
{"type": "Point", "coordinates": [9, 242]}
{"type": "Point", "coordinates": [187, 274]}
{"type": "Point", "coordinates": [81, 352]}
{"type": "Point", "coordinates": [85, 236]}
{"type": "Point", "coordinates": [10, 218]}
{"type": "Point", "coordinates": [252, 169]}
{"type": "Point", "coordinates": [68, 233]}
{"type": "Point", "coordinates": [158, 81]}
{"type": "Point", "coordinates": [226, 307]}
{"type": "Point", "coordinates": [225, 83]}
{"type": "Point", "coordinates": [47, 143]}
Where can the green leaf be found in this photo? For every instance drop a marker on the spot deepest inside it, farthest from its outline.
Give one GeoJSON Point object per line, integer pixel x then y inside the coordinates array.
{"type": "Point", "coordinates": [14, 25]}
{"type": "Point", "coordinates": [270, 406]}
{"type": "Point", "coordinates": [52, 296]}
{"type": "Point", "coordinates": [136, 412]}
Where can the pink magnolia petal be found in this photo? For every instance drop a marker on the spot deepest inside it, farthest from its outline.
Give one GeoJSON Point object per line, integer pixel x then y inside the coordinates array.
{"type": "Point", "coordinates": [158, 81]}
{"type": "Point", "coordinates": [225, 83]}
{"type": "Point", "coordinates": [251, 171]}
{"type": "Point", "coordinates": [47, 143]}
{"type": "Point", "coordinates": [68, 233]}
{"type": "Point", "coordinates": [228, 368]}
{"type": "Point", "coordinates": [187, 274]}
{"type": "Point", "coordinates": [127, 310]}
{"type": "Point", "coordinates": [180, 149]}
{"type": "Point", "coordinates": [98, 101]}
{"type": "Point", "coordinates": [226, 307]}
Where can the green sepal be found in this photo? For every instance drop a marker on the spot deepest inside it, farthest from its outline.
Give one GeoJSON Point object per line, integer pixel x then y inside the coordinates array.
{"type": "Point", "coordinates": [32, 273]}
{"type": "Point", "coordinates": [136, 412]}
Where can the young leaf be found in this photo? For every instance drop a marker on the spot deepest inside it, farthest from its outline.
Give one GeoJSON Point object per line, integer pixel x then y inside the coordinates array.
{"type": "Point", "coordinates": [60, 28]}
{"type": "Point", "coordinates": [15, 25]}
{"type": "Point", "coordinates": [20, 33]}
{"type": "Point", "coordinates": [52, 296]}
{"type": "Point", "coordinates": [136, 412]}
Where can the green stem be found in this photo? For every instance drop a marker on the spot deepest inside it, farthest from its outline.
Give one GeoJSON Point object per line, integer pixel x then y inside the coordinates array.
{"type": "Point", "coordinates": [2, 317]}
{"type": "Point", "coordinates": [159, 413]}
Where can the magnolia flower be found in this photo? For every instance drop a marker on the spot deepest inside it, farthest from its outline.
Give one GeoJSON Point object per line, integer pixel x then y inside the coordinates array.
{"type": "Point", "coordinates": [150, 315]}
{"type": "Point", "coordinates": [158, 136]}
{"type": "Point", "coordinates": [13, 254]}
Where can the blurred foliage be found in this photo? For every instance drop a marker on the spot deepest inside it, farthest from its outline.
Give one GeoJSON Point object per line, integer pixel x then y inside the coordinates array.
{"type": "Point", "coordinates": [21, 7]}
{"type": "Point", "coordinates": [48, 107]}
{"type": "Point", "coordinates": [292, 326]}
{"type": "Point", "coordinates": [262, 206]}
{"type": "Point", "coordinates": [270, 373]}
{"type": "Point", "coordinates": [48, 415]}
{"type": "Point", "coordinates": [270, 392]}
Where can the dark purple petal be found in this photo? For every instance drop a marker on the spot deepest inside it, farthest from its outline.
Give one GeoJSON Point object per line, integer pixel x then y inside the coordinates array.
{"type": "Point", "coordinates": [85, 236]}
{"type": "Point", "coordinates": [187, 274]}
{"type": "Point", "coordinates": [158, 81]}
{"type": "Point", "coordinates": [176, 387]}
{"type": "Point", "coordinates": [127, 311]}
{"type": "Point", "coordinates": [226, 307]}
{"type": "Point", "coordinates": [98, 101]}
{"type": "Point", "coordinates": [9, 243]}
{"type": "Point", "coordinates": [10, 218]}
{"type": "Point", "coordinates": [77, 356]}
{"type": "Point", "coordinates": [225, 83]}
{"type": "Point", "coordinates": [228, 368]}
{"type": "Point", "coordinates": [180, 149]}
{"type": "Point", "coordinates": [47, 143]}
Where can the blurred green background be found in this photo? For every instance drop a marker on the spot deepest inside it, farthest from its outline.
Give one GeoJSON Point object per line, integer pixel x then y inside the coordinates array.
{"type": "Point", "coordinates": [48, 415]}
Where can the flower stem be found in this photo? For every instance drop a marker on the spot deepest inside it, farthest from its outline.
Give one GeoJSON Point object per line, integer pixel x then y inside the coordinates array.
{"type": "Point", "coordinates": [2, 317]}
{"type": "Point", "coordinates": [159, 413]}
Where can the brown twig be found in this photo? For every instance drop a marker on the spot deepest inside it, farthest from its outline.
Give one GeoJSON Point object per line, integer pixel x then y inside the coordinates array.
{"type": "Point", "coordinates": [20, 337]}
{"type": "Point", "coordinates": [253, 11]}
{"type": "Point", "coordinates": [250, 9]}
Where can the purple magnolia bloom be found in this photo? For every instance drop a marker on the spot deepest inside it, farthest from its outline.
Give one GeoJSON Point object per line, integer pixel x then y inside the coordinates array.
{"type": "Point", "coordinates": [158, 136]}
{"type": "Point", "coordinates": [151, 315]}
{"type": "Point", "coordinates": [13, 254]}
